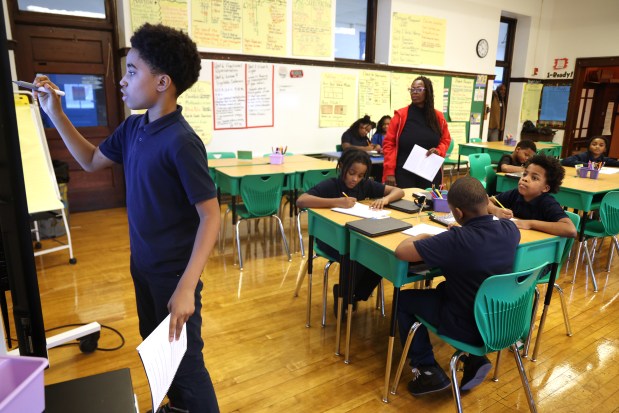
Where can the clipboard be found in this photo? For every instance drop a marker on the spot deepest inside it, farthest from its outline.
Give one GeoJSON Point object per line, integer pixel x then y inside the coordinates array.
{"type": "Point", "coordinates": [372, 227]}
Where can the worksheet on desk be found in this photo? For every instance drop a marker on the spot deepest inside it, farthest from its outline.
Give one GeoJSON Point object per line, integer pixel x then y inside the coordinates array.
{"type": "Point", "coordinates": [161, 359]}
{"type": "Point", "coordinates": [363, 211]}
{"type": "Point", "coordinates": [422, 165]}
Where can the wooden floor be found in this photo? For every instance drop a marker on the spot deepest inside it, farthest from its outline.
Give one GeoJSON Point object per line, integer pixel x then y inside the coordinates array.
{"type": "Point", "coordinates": [261, 356]}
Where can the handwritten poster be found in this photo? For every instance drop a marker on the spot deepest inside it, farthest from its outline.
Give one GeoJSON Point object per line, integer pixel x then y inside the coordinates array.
{"type": "Point", "coordinates": [417, 40]}
{"type": "Point", "coordinates": [312, 28]}
{"type": "Point", "coordinates": [217, 23]}
{"type": "Point", "coordinates": [530, 102]}
{"type": "Point", "coordinates": [460, 99]}
{"type": "Point", "coordinates": [457, 130]}
{"type": "Point", "coordinates": [264, 27]}
{"type": "Point", "coordinates": [374, 94]}
{"type": "Point", "coordinates": [174, 13]}
{"type": "Point", "coordinates": [197, 104]}
{"type": "Point", "coordinates": [401, 97]}
{"type": "Point", "coordinates": [337, 100]}
{"type": "Point", "coordinates": [144, 11]}
{"type": "Point", "coordinates": [242, 95]}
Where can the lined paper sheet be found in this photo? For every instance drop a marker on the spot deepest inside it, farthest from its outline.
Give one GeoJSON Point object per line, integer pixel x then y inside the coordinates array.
{"type": "Point", "coordinates": [424, 229]}
{"type": "Point", "coordinates": [161, 359]}
{"type": "Point", "coordinates": [363, 211]}
{"type": "Point", "coordinates": [422, 165]}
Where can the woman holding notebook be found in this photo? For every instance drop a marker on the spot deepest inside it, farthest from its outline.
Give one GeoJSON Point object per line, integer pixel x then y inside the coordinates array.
{"type": "Point", "coordinates": [343, 192]}
{"type": "Point", "coordinates": [417, 124]}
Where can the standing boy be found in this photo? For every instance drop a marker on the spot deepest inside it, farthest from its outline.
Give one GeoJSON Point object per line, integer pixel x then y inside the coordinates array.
{"type": "Point", "coordinates": [515, 161]}
{"type": "Point", "coordinates": [531, 203]}
{"type": "Point", "coordinates": [172, 206]}
{"type": "Point", "coordinates": [469, 254]}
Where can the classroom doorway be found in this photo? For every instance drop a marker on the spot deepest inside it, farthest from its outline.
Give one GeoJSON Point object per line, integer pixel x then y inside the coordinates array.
{"type": "Point", "coordinates": [78, 55]}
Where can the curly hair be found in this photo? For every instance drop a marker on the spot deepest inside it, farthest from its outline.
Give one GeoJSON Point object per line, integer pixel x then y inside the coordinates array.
{"type": "Point", "coordinates": [168, 51]}
{"type": "Point", "coordinates": [351, 156]}
{"type": "Point", "coordinates": [428, 105]}
{"type": "Point", "coordinates": [554, 171]}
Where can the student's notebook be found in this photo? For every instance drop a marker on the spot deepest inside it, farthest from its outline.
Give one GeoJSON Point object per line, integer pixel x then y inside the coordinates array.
{"type": "Point", "coordinates": [404, 205]}
{"type": "Point", "coordinates": [375, 227]}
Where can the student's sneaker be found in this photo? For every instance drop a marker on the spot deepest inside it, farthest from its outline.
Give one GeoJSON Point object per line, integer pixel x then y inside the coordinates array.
{"type": "Point", "coordinates": [428, 379]}
{"type": "Point", "coordinates": [475, 371]}
{"type": "Point", "coordinates": [166, 408]}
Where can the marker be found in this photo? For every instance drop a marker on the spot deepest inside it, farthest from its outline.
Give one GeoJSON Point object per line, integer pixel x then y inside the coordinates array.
{"type": "Point", "coordinates": [32, 86]}
{"type": "Point", "coordinates": [497, 201]}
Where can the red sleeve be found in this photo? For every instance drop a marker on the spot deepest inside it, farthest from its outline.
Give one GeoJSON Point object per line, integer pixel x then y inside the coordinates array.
{"type": "Point", "coordinates": [443, 145]}
{"type": "Point", "coordinates": [390, 147]}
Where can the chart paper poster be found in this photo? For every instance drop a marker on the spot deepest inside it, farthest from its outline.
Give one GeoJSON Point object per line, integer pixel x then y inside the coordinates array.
{"type": "Point", "coordinates": [374, 94]}
{"type": "Point", "coordinates": [457, 130]}
{"type": "Point", "coordinates": [174, 13]}
{"type": "Point", "coordinates": [144, 11]}
{"type": "Point", "coordinates": [417, 40]}
{"type": "Point", "coordinates": [264, 27]}
{"type": "Point", "coordinates": [530, 102]}
{"type": "Point", "coordinates": [197, 104]}
{"type": "Point", "coordinates": [460, 99]}
{"type": "Point", "coordinates": [400, 96]}
{"type": "Point", "coordinates": [217, 23]}
{"type": "Point", "coordinates": [312, 28]}
{"type": "Point", "coordinates": [337, 100]}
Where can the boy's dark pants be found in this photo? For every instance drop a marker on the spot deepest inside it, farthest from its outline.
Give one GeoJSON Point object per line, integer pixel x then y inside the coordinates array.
{"type": "Point", "coordinates": [192, 388]}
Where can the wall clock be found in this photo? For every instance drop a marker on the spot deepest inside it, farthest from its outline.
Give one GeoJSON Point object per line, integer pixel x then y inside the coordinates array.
{"type": "Point", "coordinates": [482, 48]}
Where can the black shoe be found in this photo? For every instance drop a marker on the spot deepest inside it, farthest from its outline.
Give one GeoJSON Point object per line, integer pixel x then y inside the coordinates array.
{"type": "Point", "coordinates": [428, 379]}
{"type": "Point", "coordinates": [475, 371]}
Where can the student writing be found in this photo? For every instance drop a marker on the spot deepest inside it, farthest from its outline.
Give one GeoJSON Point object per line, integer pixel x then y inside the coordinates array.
{"type": "Point", "coordinates": [356, 136]}
{"type": "Point", "coordinates": [172, 204]}
{"type": "Point", "coordinates": [515, 161]}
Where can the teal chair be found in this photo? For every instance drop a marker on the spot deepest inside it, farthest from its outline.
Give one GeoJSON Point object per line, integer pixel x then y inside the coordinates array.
{"type": "Point", "coordinates": [490, 180]}
{"type": "Point", "coordinates": [607, 226]}
{"type": "Point", "coordinates": [575, 218]}
{"type": "Point", "coordinates": [338, 148]}
{"type": "Point", "coordinates": [478, 163]}
{"type": "Point", "coordinates": [261, 196]}
{"type": "Point", "coordinates": [452, 162]}
{"type": "Point", "coordinates": [502, 308]}
{"type": "Point", "coordinates": [220, 155]}
{"type": "Point", "coordinates": [474, 140]}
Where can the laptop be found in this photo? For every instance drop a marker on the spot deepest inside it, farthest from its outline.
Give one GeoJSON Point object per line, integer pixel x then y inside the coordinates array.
{"type": "Point", "coordinates": [372, 227]}
{"type": "Point", "coordinates": [404, 205]}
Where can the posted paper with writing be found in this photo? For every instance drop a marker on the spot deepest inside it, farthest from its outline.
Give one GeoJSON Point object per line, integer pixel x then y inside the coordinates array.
{"type": "Point", "coordinates": [161, 359]}
{"type": "Point", "coordinates": [422, 165]}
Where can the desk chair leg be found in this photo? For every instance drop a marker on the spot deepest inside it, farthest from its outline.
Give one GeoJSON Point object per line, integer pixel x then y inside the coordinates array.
{"type": "Point", "coordinates": [525, 350]}
{"type": "Point", "coordinates": [576, 261]}
{"type": "Point", "coordinates": [590, 267]}
{"type": "Point", "coordinates": [614, 244]}
{"type": "Point", "coordinates": [380, 298]}
{"type": "Point", "coordinates": [309, 300]}
{"type": "Point", "coordinates": [455, 389]}
{"type": "Point", "coordinates": [566, 318]}
{"type": "Point", "coordinates": [300, 234]}
{"type": "Point", "coordinates": [238, 244]}
{"type": "Point", "coordinates": [281, 230]}
{"type": "Point", "coordinates": [495, 378]}
{"type": "Point", "coordinates": [407, 344]}
{"type": "Point", "coordinates": [325, 285]}
{"type": "Point", "coordinates": [523, 378]}
{"type": "Point", "coordinates": [301, 276]}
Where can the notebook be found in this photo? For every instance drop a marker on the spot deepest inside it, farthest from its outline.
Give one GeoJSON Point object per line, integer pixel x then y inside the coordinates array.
{"type": "Point", "coordinates": [375, 227]}
{"type": "Point", "coordinates": [403, 205]}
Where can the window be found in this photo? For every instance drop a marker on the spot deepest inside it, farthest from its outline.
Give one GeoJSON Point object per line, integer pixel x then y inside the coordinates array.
{"type": "Point", "coordinates": [84, 8]}
{"type": "Point", "coordinates": [505, 47]}
{"type": "Point", "coordinates": [351, 26]}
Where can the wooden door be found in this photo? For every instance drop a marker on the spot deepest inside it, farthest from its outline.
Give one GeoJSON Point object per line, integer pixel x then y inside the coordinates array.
{"type": "Point", "coordinates": [88, 55]}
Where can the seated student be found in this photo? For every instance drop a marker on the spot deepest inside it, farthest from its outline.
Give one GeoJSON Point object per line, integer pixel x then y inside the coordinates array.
{"type": "Point", "coordinates": [381, 130]}
{"type": "Point", "coordinates": [596, 151]}
{"type": "Point", "coordinates": [469, 254]}
{"type": "Point", "coordinates": [531, 203]}
{"type": "Point", "coordinates": [357, 136]}
{"type": "Point", "coordinates": [516, 160]}
{"type": "Point", "coordinates": [351, 185]}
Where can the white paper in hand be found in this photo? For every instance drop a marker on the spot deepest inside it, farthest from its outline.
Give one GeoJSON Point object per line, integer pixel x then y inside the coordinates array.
{"type": "Point", "coordinates": [161, 359]}
{"type": "Point", "coordinates": [422, 165]}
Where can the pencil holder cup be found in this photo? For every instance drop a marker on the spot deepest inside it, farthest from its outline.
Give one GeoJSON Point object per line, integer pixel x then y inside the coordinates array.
{"type": "Point", "coordinates": [510, 142]}
{"type": "Point", "coordinates": [276, 159]}
{"type": "Point", "coordinates": [440, 204]}
{"type": "Point", "coordinates": [592, 173]}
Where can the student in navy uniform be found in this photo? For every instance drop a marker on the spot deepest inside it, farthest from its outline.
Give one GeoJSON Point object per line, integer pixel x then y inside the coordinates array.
{"type": "Point", "coordinates": [381, 130]}
{"type": "Point", "coordinates": [596, 152]}
{"type": "Point", "coordinates": [172, 205]}
{"type": "Point", "coordinates": [514, 162]}
{"type": "Point", "coordinates": [351, 185]}
{"type": "Point", "coordinates": [469, 254]}
{"type": "Point", "coordinates": [357, 136]}
{"type": "Point", "coordinates": [531, 203]}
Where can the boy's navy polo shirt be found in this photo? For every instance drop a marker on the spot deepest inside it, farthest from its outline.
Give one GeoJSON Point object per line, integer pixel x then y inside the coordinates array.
{"type": "Point", "coordinates": [541, 208]}
{"type": "Point", "coordinates": [468, 255]}
{"type": "Point", "coordinates": [166, 174]}
{"type": "Point", "coordinates": [334, 187]}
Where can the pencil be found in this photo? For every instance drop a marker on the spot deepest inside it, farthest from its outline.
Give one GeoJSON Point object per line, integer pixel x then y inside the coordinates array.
{"type": "Point", "coordinates": [344, 193]}
{"type": "Point", "coordinates": [497, 201]}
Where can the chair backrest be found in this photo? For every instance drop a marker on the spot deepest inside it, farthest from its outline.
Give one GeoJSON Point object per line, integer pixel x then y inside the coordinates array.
{"type": "Point", "coordinates": [478, 163]}
{"type": "Point", "coordinates": [609, 212]}
{"type": "Point", "coordinates": [338, 148]}
{"type": "Point", "coordinates": [503, 306]}
{"type": "Point", "coordinates": [547, 151]}
{"type": "Point", "coordinates": [474, 140]}
{"type": "Point", "coordinates": [450, 149]}
{"type": "Point", "coordinates": [220, 155]}
{"type": "Point", "coordinates": [313, 178]}
{"type": "Point", "coordinates": [490, 180]}
{"type": "Point", "coordinates": [575, 218]}
{"type": "Point", "coordinates": [262, 194]}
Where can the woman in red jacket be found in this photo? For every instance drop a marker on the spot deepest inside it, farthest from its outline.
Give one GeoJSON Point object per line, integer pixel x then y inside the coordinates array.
{"type": "Point", "coordinates": [417, 124]}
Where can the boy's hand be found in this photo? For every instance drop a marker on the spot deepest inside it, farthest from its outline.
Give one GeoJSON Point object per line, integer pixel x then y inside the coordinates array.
{"type": "Point", "coordinates": [503, 213]}
{"type": "Point", "coordinates": [181, 307]}
{"type": "Point", "coordinates": [523, 223]}
{"type": "Point", "coordinates": [49, 102]}
{"type": "Point", "coordinates": [378, 203]}
{"type": "Point", "coordinates": [346, 202]}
